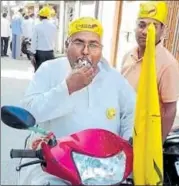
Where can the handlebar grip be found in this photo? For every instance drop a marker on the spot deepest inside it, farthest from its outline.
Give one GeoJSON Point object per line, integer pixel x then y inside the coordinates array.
{"type": "Point", "coordinates": [26, 153]}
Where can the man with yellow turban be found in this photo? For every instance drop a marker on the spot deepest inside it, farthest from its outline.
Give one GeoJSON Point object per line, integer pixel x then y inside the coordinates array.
{"type": "Point", "coordinates": [43, 39]}
{"type": "Point", "coordinates": [167, 67]}
{"type": "Point", "coordinates": [78, 92]}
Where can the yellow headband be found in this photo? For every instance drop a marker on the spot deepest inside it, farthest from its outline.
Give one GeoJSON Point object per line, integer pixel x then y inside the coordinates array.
{"type": "Point", "coordinates": [154, 9]}
{"type": "Point", "coordinates": [85, 24]}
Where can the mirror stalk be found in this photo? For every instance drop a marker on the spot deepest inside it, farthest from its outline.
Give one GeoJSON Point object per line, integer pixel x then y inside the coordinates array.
{"type": "Point", "coordinates": [38, 130]}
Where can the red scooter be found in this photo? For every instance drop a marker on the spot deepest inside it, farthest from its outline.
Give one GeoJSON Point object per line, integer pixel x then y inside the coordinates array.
{"type": "Point", "coordinates": [88, 157]}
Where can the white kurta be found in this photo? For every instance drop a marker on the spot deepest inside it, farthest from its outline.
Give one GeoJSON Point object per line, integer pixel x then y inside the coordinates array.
{"type": "Point", "coordinates": [47, 98]}
{"type": "Point", "coordinates": [5, 28]}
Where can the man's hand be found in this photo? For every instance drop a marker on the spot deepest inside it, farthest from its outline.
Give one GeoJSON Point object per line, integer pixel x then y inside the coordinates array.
{"type": "Point", "coordinates": [80, 78]}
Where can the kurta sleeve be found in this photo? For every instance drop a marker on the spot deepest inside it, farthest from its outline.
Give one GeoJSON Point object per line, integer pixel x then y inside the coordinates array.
{"type": "Point", "coordinates": [46, 102]}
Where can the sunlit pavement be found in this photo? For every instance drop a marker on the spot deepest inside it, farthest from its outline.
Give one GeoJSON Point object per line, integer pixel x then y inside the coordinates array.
{"type": "Point", "coordinates": [15, 76]}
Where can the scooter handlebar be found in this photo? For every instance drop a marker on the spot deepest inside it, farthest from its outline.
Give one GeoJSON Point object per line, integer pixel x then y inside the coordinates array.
{"type": "Point", "coordinates": [25, 153]}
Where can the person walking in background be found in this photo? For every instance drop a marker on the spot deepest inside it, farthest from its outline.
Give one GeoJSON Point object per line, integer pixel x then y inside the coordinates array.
{"type": "Point", "coordinates": [27, 28]}
{"type": "Point", "coordinates": [5, 34]}
{"type": "Point", "coordinates": [16, 26]}
{"type": "Point", "coordinates": [43, 39]}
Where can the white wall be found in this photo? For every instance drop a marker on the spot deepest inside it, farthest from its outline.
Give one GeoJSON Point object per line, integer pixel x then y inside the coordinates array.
{"type": "Point", "coordinates": [87, 8]}
{"type": "Point", "coordinates": [107, 16]}
{"type": "Point", "coordinates": [128, 23]}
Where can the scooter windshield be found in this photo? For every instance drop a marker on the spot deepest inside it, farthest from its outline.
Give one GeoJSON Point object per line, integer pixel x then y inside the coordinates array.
{"type": "Point", "coordinates": [100, 171]}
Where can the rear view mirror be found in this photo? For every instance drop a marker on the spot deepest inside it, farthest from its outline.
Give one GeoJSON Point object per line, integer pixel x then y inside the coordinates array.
{"type": "Point", "coordinates": [17, 117]}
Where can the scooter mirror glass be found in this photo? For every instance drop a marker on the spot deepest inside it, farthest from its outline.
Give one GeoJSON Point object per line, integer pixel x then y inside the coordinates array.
{"type": "Point", "coordinates": [17, 117]}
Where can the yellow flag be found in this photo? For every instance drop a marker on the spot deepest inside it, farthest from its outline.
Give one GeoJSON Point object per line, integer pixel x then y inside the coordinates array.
{"type": "Point", "coordinates": [147, 137]}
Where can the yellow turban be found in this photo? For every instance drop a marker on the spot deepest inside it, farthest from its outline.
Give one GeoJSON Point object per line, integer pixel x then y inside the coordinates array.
{"type": "Point", "coordinates": [85, 24]}
{"type": "Point", "coordinates": [154, 9]}
{"type": "Point", "coordinates": [45, 12]}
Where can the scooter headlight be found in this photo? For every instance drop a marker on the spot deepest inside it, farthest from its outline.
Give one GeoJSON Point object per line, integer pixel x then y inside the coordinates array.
{"type": "Point", "coordinates": [100, 171]}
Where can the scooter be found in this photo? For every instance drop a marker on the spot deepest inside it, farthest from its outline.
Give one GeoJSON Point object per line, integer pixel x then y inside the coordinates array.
{"type": "Point", "coordinates": [88, 157]}
{"type": "Point", "coordinates": [25, 47]}
{"type": "Point", "coordinates": [171, 159]}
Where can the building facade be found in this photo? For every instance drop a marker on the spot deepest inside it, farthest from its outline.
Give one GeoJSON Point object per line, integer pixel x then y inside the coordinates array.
{"type": "Point", "coordinates": [171, 41]}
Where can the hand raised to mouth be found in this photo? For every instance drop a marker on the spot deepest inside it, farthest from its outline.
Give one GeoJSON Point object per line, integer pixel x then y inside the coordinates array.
{"type": "Point", "coordinates": [80, 78]}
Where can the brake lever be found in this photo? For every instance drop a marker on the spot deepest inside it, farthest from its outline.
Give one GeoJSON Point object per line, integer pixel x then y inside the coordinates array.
{"type": "Point", "coordinates": [18, 168]}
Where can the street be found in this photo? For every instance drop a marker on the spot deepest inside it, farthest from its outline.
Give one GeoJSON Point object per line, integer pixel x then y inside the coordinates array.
{"type": "Point", "coordinates": [15, 75]}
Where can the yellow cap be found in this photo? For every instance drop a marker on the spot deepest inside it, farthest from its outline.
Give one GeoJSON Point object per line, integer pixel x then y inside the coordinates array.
{"type": "Point", "coordinates": [154, 9]}
{"type": "Point", "coordinates": [45, 12]}
{"type": "Point", "coordinates": [89, 24]}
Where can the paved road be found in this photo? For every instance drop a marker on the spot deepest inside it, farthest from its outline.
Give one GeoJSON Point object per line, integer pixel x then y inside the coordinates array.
{"type": "Point", "coordinates": [15, 75]}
